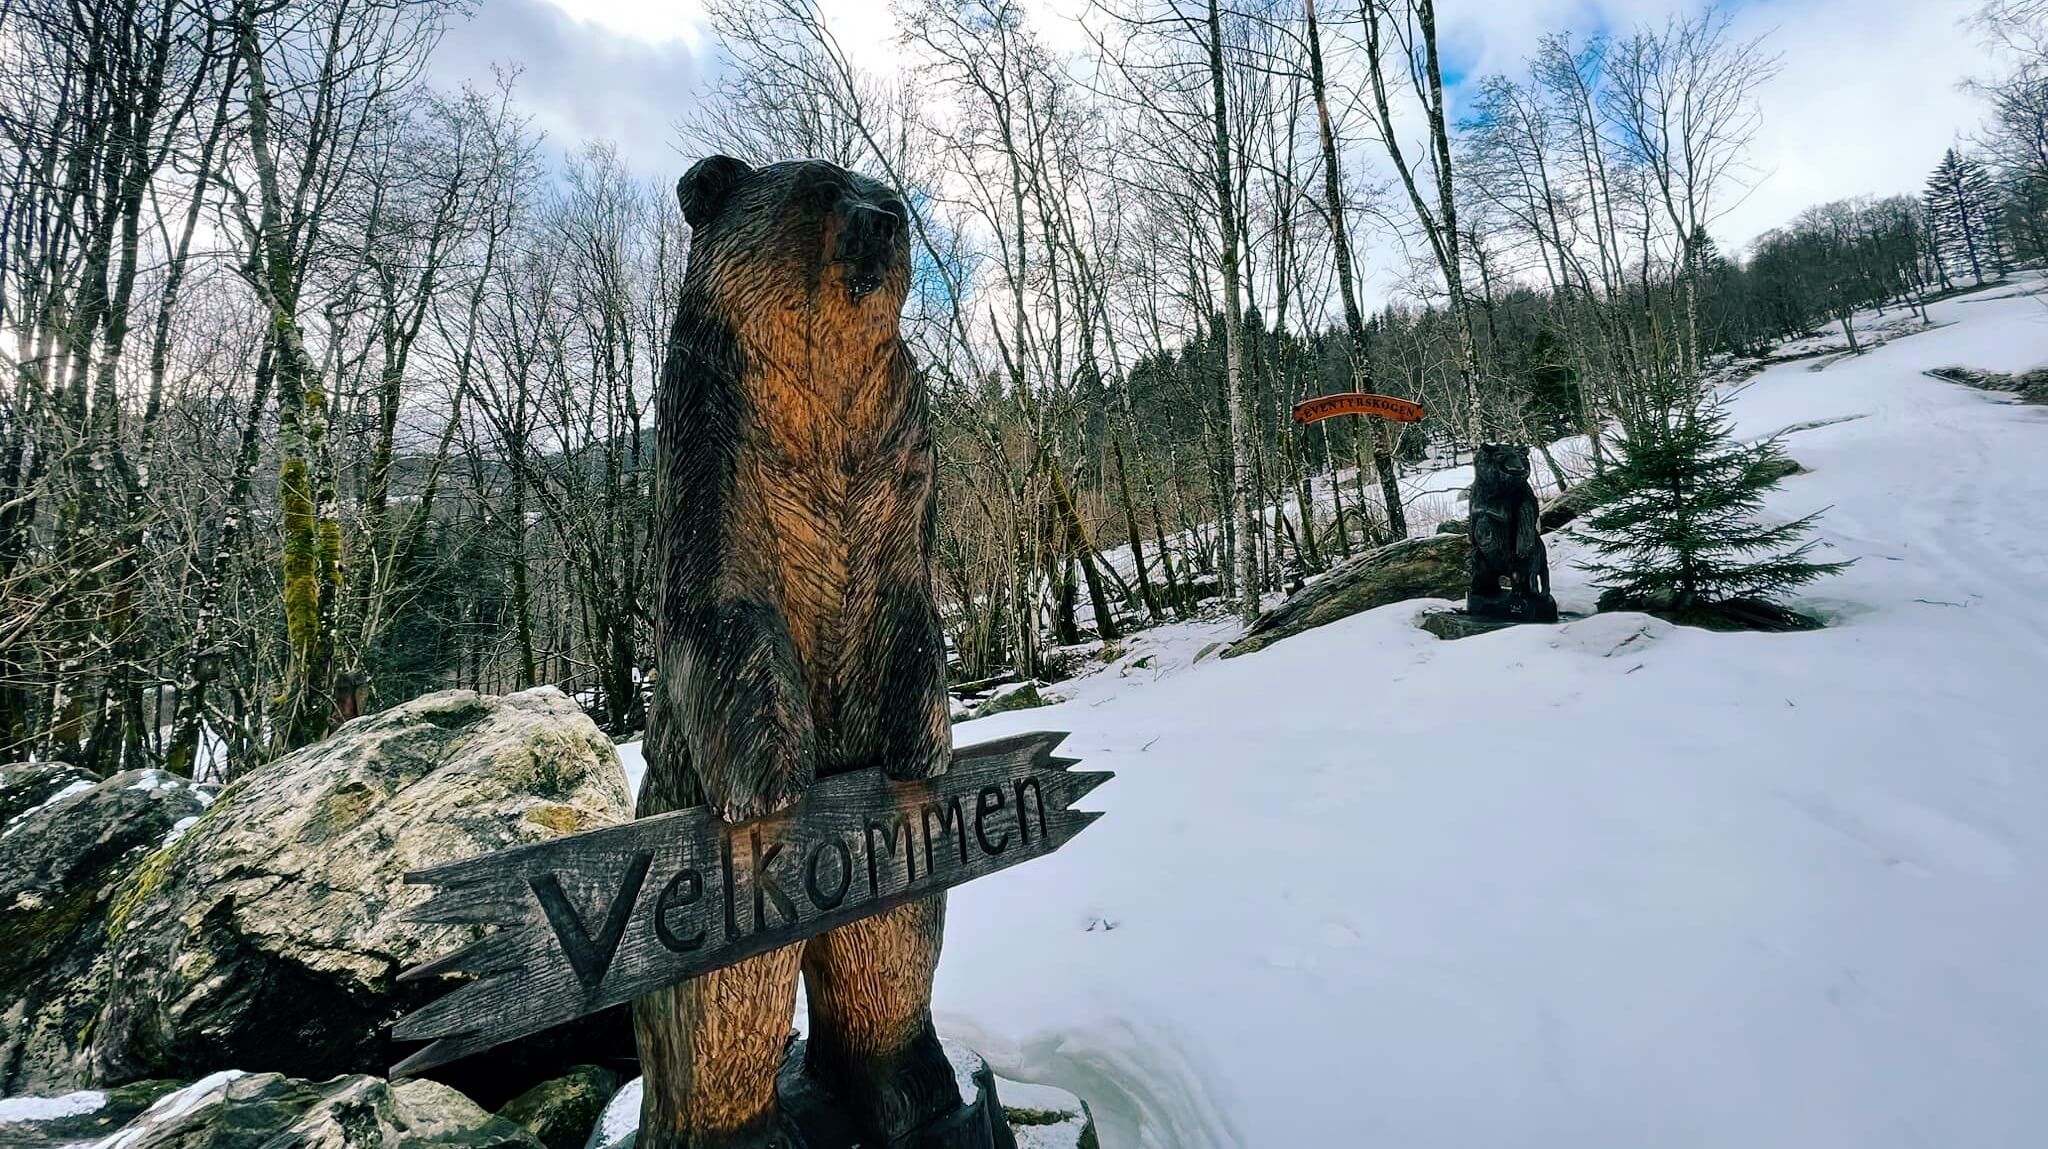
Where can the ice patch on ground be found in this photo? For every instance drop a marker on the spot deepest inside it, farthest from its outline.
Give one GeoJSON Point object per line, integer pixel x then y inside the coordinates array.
{"type": "Point", "coordinates": [1139, 1084]}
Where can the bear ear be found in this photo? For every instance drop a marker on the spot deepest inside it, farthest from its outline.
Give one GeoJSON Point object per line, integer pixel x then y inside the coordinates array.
{"type": "Point", "coordinates": [704, 188]}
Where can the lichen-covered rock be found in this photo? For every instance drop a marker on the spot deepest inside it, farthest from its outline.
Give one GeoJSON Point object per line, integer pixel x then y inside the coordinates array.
{"type": "Point", "coordinates": [26, 785]}
{"type": "Point", "coordinates": [60, 863]}
{"type": "Point", "coordinates": [1562, 509]}
{"type": "Point", "coordinates": [562, 1112]}
{"type": "Point", "coordinates": [235, 1110]}
{"type": "Point", "coordinates": [1432, 566]}
{"type": "Point", "coordinates": [1023, 697]}
{"type": "Point", "coordinates": [1451, 625]}
{"type": "Point", "coordinates": [271, 935]}
{"type": "Point", "coordinates": [365, 1111]}
{"type": "Point", "coordinates": [80, 1117]}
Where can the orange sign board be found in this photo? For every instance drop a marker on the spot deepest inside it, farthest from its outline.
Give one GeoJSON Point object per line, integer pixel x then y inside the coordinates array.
{"type": "Point", "coordinates": [1356, 403]}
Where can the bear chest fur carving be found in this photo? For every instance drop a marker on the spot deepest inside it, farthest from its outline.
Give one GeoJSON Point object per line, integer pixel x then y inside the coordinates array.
{"type": "Point", "coordinates": [797, 629]}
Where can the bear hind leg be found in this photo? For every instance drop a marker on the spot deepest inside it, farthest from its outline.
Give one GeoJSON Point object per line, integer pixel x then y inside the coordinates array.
{"type": "Point", "coordinates": [872, 1044]}
{"type": "Point", "coordinates": [709, 1048]}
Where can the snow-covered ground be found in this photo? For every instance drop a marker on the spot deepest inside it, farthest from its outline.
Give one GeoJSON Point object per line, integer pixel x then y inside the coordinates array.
{"type": "Point", "coordinates": [1607, 884]}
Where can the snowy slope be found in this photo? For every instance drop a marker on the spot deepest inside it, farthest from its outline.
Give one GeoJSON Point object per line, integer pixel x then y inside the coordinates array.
{"type": "Point", "coordinates": [1609, 884]}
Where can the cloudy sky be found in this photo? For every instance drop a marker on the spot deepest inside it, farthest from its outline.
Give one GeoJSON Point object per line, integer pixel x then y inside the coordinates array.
{"type": "Point", "coordinates": [1865, 102]}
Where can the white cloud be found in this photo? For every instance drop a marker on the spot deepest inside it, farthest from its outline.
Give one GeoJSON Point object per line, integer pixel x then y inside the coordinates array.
{"type": "Point", "coordinates": [1866, 99]}
{"type": "Point", "coordinates": [625, 78]}
{"type": "Point", "coordinates": [654, 21]}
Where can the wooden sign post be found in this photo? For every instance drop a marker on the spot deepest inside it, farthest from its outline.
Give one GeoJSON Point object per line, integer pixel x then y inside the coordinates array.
{"type": "Point", "coordinates": [598, 918]}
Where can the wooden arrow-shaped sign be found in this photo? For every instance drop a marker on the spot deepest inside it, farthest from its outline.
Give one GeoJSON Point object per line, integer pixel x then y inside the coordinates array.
{"type": "Point", "coordinates": [588, 921]}
{"type": "Point", "coordinates": [1356, 403]}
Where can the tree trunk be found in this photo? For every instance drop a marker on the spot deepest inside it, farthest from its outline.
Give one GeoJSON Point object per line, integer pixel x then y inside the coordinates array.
{"type": "Point", "coordinates": [1233, 336]}
{"type": "Point", "coordinates": [312, 541]}
{"type": "Point", "coordinates": [189, 720]}
{"type": "Point", "coordinates": [1347, 283]}
{"type": "Point", "coordinates": [1439, 224]}
{"type": "Point", "coordinates": [1083, 550]}
{"type": "Point", "coordinates": [1123, 479]}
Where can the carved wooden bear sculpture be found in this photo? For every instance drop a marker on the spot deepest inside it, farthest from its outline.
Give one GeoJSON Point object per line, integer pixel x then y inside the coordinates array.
{"type": "Point", "coordinates": [797, 632]}
{"type": "Point", "coordinates": [1507, 539]}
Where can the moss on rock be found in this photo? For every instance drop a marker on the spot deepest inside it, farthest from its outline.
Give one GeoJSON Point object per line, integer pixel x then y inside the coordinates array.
{"type": "Point", "coordinates": [63, 867]}
{"type": "Point", "coordinates": [561, 1112]}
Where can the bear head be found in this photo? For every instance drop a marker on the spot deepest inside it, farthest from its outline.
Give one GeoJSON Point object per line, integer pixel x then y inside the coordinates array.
{"type": "Point", "coordinates": [799, 228]}
{"type": "Point", "coordinates": [1500, 464]}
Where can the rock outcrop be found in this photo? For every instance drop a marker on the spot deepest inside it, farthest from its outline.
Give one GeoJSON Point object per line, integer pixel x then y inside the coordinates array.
{"type": "Point", "coordinates": [1559, 510]}
{"type": "Point", "coordinates": [25, 786]}
{"type": "Point", "coordinates": [349, 1112]}
{"type": "Point", "coordinates": [82, 1117]}
{"type": "Point", "coordinates": [70, 842]}
{"type": "Point", "coordinates": [1432, 566]}
{"type": "Point", "coordinates": [270, 936]}
{"type": "Point", "coordinates": [561, 1113]}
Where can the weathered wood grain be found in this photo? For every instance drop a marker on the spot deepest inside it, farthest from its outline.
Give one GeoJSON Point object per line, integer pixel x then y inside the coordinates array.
{"type": "Point", "coordinates": [588, 921]}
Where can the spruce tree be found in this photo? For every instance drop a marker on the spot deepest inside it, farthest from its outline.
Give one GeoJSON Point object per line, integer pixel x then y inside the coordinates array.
{"type": "Point", "coordinates": [1677, 528]}
{"type": "Point", "coordinates": [1963, 213]}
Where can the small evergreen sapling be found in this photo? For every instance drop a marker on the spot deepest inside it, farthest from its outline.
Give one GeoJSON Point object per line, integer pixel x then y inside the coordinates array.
{"type": "Point", "coordinates": [1677, 525]}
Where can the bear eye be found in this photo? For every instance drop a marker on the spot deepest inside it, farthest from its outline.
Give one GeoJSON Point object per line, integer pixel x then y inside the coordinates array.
{"type": "Point", "coordinates": [825, 195]}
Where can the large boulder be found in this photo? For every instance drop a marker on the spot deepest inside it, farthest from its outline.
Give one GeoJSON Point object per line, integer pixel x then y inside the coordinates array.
{"type": "Point", "coordinates": [61, 860]}
{"type": "Point", "coordinates": [235, 1110]}
{"type": "Point", "coordinates": [1429, 567]}
{"type": "Point", "coordinates": [561, 1113]}
{"type": "Point", "coordinates": [270, 937]}
{"type": "Point", "coordinates": [27, 785]}
{"type": "Point", "coordinates": [81, 1117]}
{"type": "Point", "coordinates": [1562, 509]}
